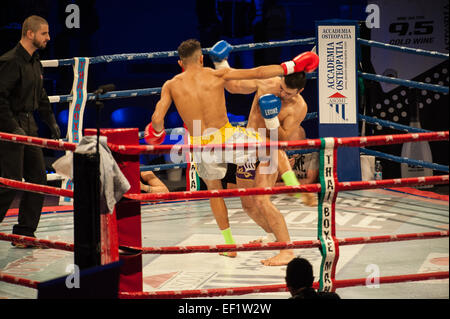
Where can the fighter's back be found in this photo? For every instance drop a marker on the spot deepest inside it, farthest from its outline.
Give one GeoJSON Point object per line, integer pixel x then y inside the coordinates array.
{"type": "Point", "coordinates": [198, 94]}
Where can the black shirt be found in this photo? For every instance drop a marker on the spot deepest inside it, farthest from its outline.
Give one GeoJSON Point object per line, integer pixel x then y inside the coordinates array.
{"type": "Point", "coordinates": [22, 91]}
{"type": "Point", "coordinates": [310, 293]}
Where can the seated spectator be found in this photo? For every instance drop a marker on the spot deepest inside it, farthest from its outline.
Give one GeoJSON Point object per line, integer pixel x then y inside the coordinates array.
{"type": "Point", "coordinates": [299, 280]}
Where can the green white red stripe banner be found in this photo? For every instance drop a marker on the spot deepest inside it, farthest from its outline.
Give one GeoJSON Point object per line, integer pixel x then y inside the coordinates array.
{"type": "Point", "coordinates": [326, 210]}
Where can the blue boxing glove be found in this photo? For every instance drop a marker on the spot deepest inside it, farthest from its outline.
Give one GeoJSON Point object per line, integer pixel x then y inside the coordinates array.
{"type": "Point", "coordinates": [270, 106]}
{"type": "Point", "coordinates": [219, 54]}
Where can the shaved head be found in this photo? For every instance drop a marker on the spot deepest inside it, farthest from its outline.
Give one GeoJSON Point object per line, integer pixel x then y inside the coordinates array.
{"type": "Point", "coordinates": [32, 23]}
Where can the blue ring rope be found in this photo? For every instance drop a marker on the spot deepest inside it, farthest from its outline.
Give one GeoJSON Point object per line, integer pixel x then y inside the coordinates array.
{"type": "Point", "coordinates": [368, 76]}
{"type": "Point", "coordinates": [392, 125]}
{"type": "Point", "coordinates": [134, 93]}
{"type": "Point", "coordinates": [304, 151]}
{"type": "Point", "coordinates": [313, 115]}
{"type": "Point", "coordinates": [433, 166]}
{"type": "Point", "coordinates": [115, 94]}
{"type": "Point", "coordinates": [407, 83]}
{"type": "Point", "coordinates": [437, 167]}
{"type": "Point", "coordinates": [251, 46]}
{"type": "Point", "coordinates": [382, 45]}
{"type": "Point", "coordinates": [180, 130]}
{"type": "Point", "coordinates": [170, 54]}
{"type": "Point", "coordinates": [161, 167]}
{"type": "Point", "coordinates": [409, 161]}
{"type": "Point", "coordinates": [265, 45]}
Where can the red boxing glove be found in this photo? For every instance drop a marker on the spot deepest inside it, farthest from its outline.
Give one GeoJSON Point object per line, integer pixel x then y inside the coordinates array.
{"type": "Point", "coordinates": [307, 62]}
{"type": "Point", "coordinates": [152, 137]}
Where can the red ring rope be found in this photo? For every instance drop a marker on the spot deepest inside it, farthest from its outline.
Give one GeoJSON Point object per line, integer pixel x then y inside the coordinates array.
{"type": "Point", "coordinates": [37, 242]}
{"type": "Point", "coordinates": [280, 245]}
{"type": "Point", "coordinates": [311, 188]}
{"type": "Point", "coordinates": [38, 141]}
{"type": "Point", "coordinates": [303, 144]}
{"type": "Point", "coordinates": [36, 188]}
{"type": "Point", "coordinates": [18, 281]}
{"type": "Point", "coordinates": [393, 279]}
{"type": "Point", "coordinates": [274, 288]}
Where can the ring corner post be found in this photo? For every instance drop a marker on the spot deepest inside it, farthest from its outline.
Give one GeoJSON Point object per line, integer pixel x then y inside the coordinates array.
{"type": "Point", "coordinates": [338, 89]}
{"type": "Point", "coordinates": [86, 210]}
{"type": "Point", "coordinates": [127, 213]}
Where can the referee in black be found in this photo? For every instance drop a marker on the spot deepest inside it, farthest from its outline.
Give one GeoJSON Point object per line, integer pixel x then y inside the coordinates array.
{"type": "Point", "coordinates": [22, 93]}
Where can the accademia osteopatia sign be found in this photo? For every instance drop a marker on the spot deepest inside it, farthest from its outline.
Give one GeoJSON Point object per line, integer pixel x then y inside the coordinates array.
{"type": "Point", "coordinates": [337, 74]}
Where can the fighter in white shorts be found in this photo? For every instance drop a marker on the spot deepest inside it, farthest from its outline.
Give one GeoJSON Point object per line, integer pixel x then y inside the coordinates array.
{"type": "Point", "coordinates": [277, 107]}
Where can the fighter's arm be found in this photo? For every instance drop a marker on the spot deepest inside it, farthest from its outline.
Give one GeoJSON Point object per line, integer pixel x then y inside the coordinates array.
{"type": "Point", "coordinates": [219, 53]}
{"type": "Point", "coordinates": [162, 107]}
{"type": "Point", "coordinates": [241, 86]}
{"type": "Point", "coordinates": [307, 61]}
{"type": "Point", "coordinates": [261, 72]}
{"type": "Point", "coordinates": [154, 133]}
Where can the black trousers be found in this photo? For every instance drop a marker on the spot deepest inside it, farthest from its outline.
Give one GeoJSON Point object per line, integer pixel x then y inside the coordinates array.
{"type": "Point", "coordinates": [19, 161]}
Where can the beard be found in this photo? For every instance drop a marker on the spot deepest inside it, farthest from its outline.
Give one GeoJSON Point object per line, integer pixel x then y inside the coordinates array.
{"type": "Point", "coordinates": [39, 45]}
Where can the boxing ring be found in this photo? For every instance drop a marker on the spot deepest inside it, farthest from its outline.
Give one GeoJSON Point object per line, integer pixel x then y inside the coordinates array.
{"type": "Point", "coordinates": [161, 222]}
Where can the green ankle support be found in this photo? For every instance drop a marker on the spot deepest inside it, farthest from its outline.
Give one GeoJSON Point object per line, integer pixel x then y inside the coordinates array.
{"type": "Point", "coordinates": [290, 179]}
{"type": "Point", "coordinates": [228, 236]}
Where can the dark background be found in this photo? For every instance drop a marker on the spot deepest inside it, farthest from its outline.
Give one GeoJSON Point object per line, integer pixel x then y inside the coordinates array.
{"type": "Point", "coordinates": [112, 27]}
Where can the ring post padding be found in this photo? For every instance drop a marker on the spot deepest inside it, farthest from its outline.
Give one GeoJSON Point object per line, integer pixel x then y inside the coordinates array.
{"type": "Point", "coordinates": [326, 208]}
{"type": "Point", "coordinates": [337, 88]}
{"type": "Point", "coordinates": [86, 208]}
{"type": "Point", "coordinates": [76, 110]}
{"type": "Point", "coordinates": [127, 213]}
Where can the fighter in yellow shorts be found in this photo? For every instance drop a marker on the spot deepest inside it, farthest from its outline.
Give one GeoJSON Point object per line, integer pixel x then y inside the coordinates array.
{"type": "Point", "coordinates": [199, 96]}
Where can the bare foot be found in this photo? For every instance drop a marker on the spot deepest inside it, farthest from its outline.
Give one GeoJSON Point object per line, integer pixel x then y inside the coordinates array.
{"type": "Point", "coordinates": [269, 238]}
{"type": "Point", "coordinates": [230, 254]}
{"type": "Point", "coordinates": [283, 258]}
{"type": "Point", "coordinates": [309, 199]}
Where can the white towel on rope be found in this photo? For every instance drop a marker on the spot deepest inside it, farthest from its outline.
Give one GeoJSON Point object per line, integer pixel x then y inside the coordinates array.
{"type": "Point", "coordinates": [113, 184]}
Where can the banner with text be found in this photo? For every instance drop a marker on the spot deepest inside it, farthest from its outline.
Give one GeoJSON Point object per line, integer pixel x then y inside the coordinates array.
{"type": "Point", "coordinates": [338, 90]}
{"type": "Point", "coordinates": [337, 71]}
{"type": "Point", "coordinates": [414, 24]}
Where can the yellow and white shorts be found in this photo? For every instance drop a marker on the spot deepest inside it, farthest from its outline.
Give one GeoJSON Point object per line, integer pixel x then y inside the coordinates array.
{"type": "Point", "coordinates": [211, 162]}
